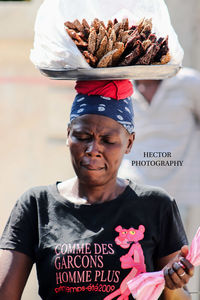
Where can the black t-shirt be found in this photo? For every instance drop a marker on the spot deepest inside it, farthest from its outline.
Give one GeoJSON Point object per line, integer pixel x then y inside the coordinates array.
{"type": "Point", "coordinates": [92, 251]}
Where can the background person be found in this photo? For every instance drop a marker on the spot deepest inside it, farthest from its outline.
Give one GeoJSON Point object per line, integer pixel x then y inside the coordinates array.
{"type": "Point", "coordinates": [167, 118]}
{"type": "Point", "coordinates": [89, 230]}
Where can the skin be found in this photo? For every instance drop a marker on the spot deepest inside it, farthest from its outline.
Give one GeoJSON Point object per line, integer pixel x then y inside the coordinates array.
{"type": "Point", "coordinates": [148, 88]}
{"type": "Point", "coordinates": [97, 145]}
{"type": "Point", "coordinates": [175, 265]}
{"type": "Point", "coordinates": [15, 268]}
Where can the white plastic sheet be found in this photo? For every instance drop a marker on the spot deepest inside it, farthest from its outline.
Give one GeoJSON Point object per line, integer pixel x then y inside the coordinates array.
{"type": "Point", "coordinates": [54, 49]}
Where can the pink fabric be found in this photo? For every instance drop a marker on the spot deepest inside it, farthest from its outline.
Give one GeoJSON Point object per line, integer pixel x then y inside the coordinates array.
{"type": "Point", "coordinates": [194, 253]}
{"type": "Point", "coordinates": [149, 286]}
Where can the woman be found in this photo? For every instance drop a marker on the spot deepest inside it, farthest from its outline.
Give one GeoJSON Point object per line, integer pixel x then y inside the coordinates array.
{"type": "Point", "coordinates": [90, 235]}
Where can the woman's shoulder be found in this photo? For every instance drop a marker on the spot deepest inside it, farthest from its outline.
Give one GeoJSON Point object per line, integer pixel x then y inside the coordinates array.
{"type": "Point", "coordinates": [151, 194]}
{"type": "Point", "coordinates": [153, 201]}
{"type": "Point", "coordinates": [36, 193]}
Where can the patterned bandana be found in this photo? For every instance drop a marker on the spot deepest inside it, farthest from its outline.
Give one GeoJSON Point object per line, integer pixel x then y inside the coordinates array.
{"type": "Point", "coordinates": [120, 111]}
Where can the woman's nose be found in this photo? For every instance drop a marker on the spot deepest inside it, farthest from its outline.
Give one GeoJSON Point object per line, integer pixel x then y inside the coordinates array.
{"type": "Point", "coordinates": [93, 149]}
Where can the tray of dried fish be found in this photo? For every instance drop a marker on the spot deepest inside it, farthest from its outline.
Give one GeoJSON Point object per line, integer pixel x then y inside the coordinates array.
{"type": "Point", "coordinates": [117, 51]}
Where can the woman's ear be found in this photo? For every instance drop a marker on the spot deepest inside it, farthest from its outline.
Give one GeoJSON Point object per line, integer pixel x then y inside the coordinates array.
{"type": "Point", "coordinates": [130, 142]}
{"type": "Point", "coordinates": [67, 139]}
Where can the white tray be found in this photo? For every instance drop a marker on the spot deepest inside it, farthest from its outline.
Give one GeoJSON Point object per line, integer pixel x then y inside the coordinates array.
{"type": "Point", "coordinates": [129, 72]}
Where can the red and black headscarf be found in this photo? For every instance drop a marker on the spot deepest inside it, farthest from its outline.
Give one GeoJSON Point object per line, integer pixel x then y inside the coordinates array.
{"type": "Point", "coordinates": [107, 98]}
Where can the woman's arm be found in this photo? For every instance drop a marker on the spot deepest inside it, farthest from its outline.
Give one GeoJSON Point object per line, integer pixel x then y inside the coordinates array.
{"type": "Point", "coordinates": [178, 294]}
{"type": "Point", "coordinates": [176, 275]}
{"type": "Point", "coordinates": [15, 268]}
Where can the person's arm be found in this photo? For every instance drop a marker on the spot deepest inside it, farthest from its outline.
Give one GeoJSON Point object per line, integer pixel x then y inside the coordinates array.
{"type": "Point", "coordinates": [15, 268]}
{"type": "Point", "coordinates": [176, 276]}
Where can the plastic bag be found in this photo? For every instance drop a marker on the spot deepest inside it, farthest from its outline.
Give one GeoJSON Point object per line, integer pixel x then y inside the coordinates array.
{"type": "Point", "coordinates": [54, 49]}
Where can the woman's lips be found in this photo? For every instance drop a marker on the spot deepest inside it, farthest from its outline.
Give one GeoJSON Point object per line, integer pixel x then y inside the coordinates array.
{"type": "Point", "coordinates": [92, 167]}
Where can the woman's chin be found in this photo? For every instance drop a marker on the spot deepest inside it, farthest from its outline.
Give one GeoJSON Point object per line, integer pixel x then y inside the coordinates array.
{"type": "Point", "coordinates": [93, 178]}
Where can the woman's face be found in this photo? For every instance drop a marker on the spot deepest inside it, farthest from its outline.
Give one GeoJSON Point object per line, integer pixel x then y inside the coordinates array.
{"type": "Point", "coordinates": [97, 145]}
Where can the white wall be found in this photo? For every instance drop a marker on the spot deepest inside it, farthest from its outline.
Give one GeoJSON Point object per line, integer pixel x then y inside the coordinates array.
{"type": "Point", "coordinates": [185, 17]}
{"type": "Point", "coordinates": [17, 19]}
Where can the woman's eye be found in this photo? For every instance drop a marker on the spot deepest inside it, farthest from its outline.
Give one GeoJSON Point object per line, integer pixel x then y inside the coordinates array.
{"type": "Point", "coordinates": [109, 142]}
{"type": "Point", "coordinates": [82, 138]}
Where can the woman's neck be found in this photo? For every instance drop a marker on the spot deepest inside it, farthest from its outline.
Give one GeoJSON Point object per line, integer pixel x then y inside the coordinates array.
{"type": "Point", "coordinates": [148, 88]}
{"type": "Point", "coordinates": [92, 194]}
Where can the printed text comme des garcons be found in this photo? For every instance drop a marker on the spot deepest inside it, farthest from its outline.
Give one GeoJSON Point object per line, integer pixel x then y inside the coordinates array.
{"type": "Point", "coordinates": [78, 256]}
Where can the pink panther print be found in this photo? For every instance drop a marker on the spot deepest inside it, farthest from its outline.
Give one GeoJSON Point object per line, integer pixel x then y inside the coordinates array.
{"type": "Point", "coordinates": [134, 259]}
